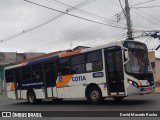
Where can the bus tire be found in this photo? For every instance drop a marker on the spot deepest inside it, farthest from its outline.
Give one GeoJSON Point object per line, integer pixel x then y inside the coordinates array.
{"type": "Point", "coordinates": [31, 97]}
{"type": "Point", "coordinates": [118, 98]}
{"type": "Point", "coordinates": [94, 95]}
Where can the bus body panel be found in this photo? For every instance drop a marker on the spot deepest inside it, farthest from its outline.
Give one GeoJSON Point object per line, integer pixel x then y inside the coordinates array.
{"type": "Point", "coordinates": [39, 93]}
{"type": "Point", "coordinates": [11, 90]}
{"type": "Point", "coordinates": [74, 85]}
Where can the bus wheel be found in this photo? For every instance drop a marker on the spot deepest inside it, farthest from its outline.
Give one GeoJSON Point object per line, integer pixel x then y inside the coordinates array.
{"type": "Point", "coordinates": [94, 95]}
{"type": "Point", "coordinates": [118, 98]}
{"type": "Point", "coordinates": [31, 97]}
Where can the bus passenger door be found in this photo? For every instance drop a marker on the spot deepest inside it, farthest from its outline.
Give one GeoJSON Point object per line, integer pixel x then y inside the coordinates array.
{"type": "Point", "coordinates": [50, 80]}
{"type": "Point", "coordinates": [17, 81]}
{"type": "Point", "coordinates": [114, 72]}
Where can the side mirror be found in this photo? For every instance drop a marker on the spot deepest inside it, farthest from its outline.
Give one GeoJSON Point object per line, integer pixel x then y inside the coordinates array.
{"type": "Point", "coordinates": [126, 54]}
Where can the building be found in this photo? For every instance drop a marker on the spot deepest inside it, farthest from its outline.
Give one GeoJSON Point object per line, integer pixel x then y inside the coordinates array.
{"type": "Point", "coordinates": [155, 62]}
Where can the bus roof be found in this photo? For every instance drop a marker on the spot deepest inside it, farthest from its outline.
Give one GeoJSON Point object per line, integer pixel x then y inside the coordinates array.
{"type": "Point", "coordinates": [44, 59]}
{"type": "Point", "coordinates": [60, 55]}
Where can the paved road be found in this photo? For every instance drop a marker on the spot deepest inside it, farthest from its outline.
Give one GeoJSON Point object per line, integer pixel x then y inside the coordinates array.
{"type": "Point", "coordinates": [132, 103]}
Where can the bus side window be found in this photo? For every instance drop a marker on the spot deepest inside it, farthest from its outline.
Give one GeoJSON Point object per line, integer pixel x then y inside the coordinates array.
{"type": "Point", "coordinates": [37, 71]}
{"type": "Point", "coordinates": [78, 64]}
{"type": "Point", "coordinates": [94, 61]}
{"type": "Point", "coordinates": [26, 72]}
{"type": "Point", "coordinates": [64, 66]}
{"type": "Point", "coordinates": [17, 75]}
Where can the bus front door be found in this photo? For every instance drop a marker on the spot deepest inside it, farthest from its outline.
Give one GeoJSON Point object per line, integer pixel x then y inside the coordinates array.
{"type": "Point", "coordinates": [114, 72]}
{"type": "Point", "coordinates": [49, 80]}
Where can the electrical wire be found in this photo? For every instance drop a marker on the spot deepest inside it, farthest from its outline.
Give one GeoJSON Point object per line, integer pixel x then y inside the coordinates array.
{"type": "Point", "coordinates": [46, 22]}
{"type": "Point", "coordinates": [147, 7]}
{"type": "Point", "coordinates": [85, 12]}
{"type": "Point", "coordinates": [74, 15]}
{"type": "Point", "coordinates": [111, 1]}
{"type": "Point", "coordinates": [122, 9]}
{"type": "Point", "coordinates": [145, 18]}
{"type": "Point", "coordinates": [142, 2]}
{"type": "Point", "coordinates": [131, 1]}
{"type": "Point", "coordinates": [148, 15]}
{"type": "Point", "coordinates": [62, 12]}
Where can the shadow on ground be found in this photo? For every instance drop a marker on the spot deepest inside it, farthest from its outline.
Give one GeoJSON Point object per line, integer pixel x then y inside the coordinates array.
{"type": "Point", "coordinates": [84, 102]}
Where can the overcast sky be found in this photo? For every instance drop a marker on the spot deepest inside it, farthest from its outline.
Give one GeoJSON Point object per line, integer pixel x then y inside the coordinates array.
{"type": "Point", "coordinates": [67, 31]}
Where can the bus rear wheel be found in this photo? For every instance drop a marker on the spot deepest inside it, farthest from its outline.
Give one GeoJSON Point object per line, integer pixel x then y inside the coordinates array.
{"type": "Point", "coordinates": [31, 97]}
{"type": "Point", "coordinates": [94, 95]}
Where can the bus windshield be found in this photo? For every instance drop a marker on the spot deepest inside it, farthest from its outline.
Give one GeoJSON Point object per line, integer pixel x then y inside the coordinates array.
{"type": "Point", "coordinates": [138, 59]}
{"type": "Point", "coordinates": [138, 62]}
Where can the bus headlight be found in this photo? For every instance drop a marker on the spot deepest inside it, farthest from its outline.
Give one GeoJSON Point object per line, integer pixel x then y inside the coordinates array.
{"type": "Point", "coordinates": [133, 83]}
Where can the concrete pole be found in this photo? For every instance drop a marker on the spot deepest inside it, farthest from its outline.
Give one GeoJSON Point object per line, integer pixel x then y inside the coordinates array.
{"type": "Point", "coordinates": [128, 18]}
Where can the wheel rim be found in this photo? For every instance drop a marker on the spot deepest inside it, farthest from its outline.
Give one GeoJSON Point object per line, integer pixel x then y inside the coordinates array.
{"type": "Point", "coordinates": [31, 98]}
{"type": "Point", "coordinates": [95, 95]}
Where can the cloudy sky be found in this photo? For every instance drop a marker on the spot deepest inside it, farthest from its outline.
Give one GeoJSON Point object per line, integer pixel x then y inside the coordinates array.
{"type": "Point", "coordinates": [26, 27]}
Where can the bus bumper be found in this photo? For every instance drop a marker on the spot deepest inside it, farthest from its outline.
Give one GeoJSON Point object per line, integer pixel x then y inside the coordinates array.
{"type": "Point", "coordinates": [131, 90]}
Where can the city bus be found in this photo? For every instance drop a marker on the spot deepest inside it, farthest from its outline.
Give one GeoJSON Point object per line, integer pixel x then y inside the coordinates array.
{"type": "Point", "coordinates": [116, 70]}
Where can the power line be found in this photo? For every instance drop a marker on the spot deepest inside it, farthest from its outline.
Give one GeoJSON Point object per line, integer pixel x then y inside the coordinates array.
{"type": "Point", "coordinates": [85, 12]}
{"type": "Point", "coordinates": [66, 12]}
{"type": "Point", "coordinates": [142, 2]}
{"type": "Point", "coordinates": [131, 1]}
{"type": "Point", "coordinates": [145, 18]}
{"type": "Point", "coordinates": [147, 7]}
{"type": "Point", "coordinates": [148, 15]}
{"type": "Point", "coordinates": [72, 36]}
{"type": "Point", "coordinates": [122, 9]}
{"type": "Point", "coordinates": [149, 41]}
{"type": "Point", "coordinates": [74, 15]}
{"type": "Point", "coordinates": [46, 22]}
{"type": "Point", "coordinates": [111, 1]}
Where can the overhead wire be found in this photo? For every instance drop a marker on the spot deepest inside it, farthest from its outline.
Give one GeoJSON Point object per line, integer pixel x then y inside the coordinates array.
{"type": "Point", "coordinates": [71, 36]}
{"type": "Point", "coordinates": [85, 12]}
{"type": "Point", "coordinates": [74, 15]}
{"type": "Point", "coordinates": [111, 1]}
{"type": "Point", "coordinates": [148, 15]}
{"type": "Point", "coordinates": [156, 6]}
{"type": "Point", "coordinates": [45, 22]}
{"type": "Point", "coordinates": [145, 18]}
{"type": "Point", "coordinates": [63, 12]}
{"type": "Point", "coordinates": [142, 2]}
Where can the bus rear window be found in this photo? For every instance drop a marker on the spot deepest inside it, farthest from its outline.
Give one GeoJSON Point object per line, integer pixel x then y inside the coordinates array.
{"type": "Point", "coordinates": [9, 75]}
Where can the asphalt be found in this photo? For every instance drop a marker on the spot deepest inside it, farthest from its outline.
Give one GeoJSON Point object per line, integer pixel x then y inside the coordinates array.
{"type": "Point", "coordinates": [133, 103]}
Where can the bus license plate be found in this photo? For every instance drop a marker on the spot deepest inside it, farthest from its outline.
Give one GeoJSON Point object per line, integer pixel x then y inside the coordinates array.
{"type": "Point", "coordinates": [148, 89]}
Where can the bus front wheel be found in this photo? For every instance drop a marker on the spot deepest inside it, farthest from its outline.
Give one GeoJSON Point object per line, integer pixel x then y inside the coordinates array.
{"type": "Point", "coordinates": [31, 97]}
{"type": "Point", "coordinates": [94, 95]}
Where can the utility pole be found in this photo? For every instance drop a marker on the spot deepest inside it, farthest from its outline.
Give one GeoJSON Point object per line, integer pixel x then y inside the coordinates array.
{"type": "Point", "coordinates": [128, 18]}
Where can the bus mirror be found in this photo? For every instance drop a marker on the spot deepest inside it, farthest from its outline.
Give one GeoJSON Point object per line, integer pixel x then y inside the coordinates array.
{"type": "Point", "coordinates": [126, 54]}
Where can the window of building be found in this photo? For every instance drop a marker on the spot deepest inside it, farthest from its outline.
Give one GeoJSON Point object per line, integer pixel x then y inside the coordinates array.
{"type": "Point", "coordinates": [78, 64]}
{"type": "Point", "coordinates": [94, 61]}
